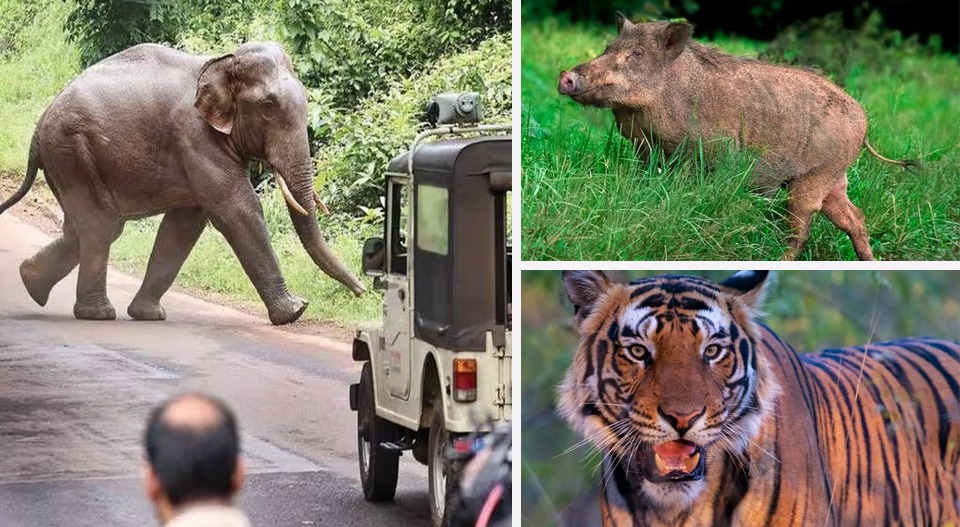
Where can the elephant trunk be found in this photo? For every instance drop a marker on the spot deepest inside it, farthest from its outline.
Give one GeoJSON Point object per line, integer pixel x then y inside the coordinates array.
{"type": "Point", "coordinates": [299, 180]}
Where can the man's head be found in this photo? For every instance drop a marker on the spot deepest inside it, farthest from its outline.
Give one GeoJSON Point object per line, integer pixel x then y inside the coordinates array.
{"type": "Point", "coordinates": [192, 448]}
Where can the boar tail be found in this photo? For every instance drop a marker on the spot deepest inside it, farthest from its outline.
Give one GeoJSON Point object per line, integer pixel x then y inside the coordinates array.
{"type": "Point", "coordinates": [905, 163]}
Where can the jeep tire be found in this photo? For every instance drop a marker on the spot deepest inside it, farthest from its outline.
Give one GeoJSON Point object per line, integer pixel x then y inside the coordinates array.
{"type": "Point", "coordinates": [378, 466]}
{"type": "Point", "coordinates": [440, 473]}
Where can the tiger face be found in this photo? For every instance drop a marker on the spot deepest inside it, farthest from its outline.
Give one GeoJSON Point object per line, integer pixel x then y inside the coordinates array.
{"type": "Point", "coordinates": [666, 375]}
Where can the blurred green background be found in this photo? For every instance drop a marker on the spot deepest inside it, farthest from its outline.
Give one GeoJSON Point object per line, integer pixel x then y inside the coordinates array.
{"type": "Point", "coordinates": [810, 310]}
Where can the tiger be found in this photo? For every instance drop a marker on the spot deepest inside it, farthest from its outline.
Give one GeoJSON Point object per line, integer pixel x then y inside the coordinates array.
{"type": "Point", "coordinates": [705, 417]}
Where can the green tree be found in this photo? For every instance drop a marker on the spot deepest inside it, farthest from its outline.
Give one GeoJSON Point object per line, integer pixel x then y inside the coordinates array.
{"type": "Point", "coordinates": [101, 28]}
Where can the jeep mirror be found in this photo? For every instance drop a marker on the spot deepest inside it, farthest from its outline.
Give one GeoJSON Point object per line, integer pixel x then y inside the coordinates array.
{"type": "Point", "coordinates": [373, 258]}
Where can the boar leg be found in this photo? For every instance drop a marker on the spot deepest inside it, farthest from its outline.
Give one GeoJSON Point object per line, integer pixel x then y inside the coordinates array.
{"type": "Point", "coordinates": [804, 198]}
{"type": "Point", "coordinates": [838, 208]}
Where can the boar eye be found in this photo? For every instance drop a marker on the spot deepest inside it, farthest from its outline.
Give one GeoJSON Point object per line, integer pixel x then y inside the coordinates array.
{"type": "Point", "coordinates": [637, 53]}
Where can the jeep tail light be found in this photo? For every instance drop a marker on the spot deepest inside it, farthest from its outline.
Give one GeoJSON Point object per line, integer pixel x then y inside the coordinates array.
{"type": "Point", "coordinates": [464, 380]}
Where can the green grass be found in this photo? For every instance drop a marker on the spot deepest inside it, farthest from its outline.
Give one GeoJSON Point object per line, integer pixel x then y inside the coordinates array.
{"type": "Point", "coordinates": [585, 196]}
{"type": "Point", "coordinates": [32, 77]}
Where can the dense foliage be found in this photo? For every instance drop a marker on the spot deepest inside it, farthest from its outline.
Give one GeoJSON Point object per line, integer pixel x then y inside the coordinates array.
{"type": "Point", "coordinates": [103, 27]}
{"type": "Point", "coordinates": [764, 19]}
{"type": "Point", "coordinates": [14, 17]}
{"type": "Point", "coordinates": [351, 49]}
{"type": "Point", "coordinates": [371, 67]}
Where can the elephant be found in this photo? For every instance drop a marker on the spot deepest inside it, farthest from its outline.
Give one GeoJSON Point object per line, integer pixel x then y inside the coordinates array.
{"type": "Point", "coordinates": [154, 130]}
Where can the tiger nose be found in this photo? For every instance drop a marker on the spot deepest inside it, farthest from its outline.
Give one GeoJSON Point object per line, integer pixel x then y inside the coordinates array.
{"type": "Point", "coordinates": [681, 421]}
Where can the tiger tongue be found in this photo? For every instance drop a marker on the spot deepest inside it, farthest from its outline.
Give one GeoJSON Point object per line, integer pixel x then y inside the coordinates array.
{"type": "Point", "coordinates": [675, 455]}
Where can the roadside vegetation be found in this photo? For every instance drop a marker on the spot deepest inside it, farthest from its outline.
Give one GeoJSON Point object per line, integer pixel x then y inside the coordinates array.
{"type": "Point", "coordinates": [369, 69]}
{"type": "Point", "coordinates": [585, 195]}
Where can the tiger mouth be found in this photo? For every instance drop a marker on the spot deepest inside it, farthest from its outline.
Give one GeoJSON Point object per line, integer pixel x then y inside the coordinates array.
{"type": "Point", "coordinates": [672, 462]}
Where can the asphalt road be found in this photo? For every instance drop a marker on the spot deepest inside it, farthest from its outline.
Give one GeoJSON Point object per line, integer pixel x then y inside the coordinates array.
{"type": "Point", "coordinates": [74, 396]}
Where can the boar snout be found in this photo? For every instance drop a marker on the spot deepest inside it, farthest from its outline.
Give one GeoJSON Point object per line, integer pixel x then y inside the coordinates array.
{"type": "Point", "coordinates": [569, 83]}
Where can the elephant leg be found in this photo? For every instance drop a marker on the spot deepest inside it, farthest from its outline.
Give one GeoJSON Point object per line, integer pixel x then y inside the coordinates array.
{"type": "Point", "coordinates": [45, 269]}
{"type": "Point", "coordinates": [92, 302]}
{"type": "Point", "coordinates": [245, 230]}
{"type": "Point", "coordinates": [178, 233]}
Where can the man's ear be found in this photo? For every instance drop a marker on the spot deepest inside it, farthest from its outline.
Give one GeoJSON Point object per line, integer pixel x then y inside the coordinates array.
{"type": "Point", "coordinates": [674, 38]}
{"type": "Point", "coordinates": [239, 475]}
{"type": "Point", "coordinates": [152, 486]}
{"type": "Point", "coordinates": [750, 286]}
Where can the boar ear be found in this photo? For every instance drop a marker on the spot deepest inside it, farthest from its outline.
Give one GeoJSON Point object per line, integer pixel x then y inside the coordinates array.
{"type": "Point", "coordinates": [674, 38]}
{"type": "Point", "coordinates": [622, 21]}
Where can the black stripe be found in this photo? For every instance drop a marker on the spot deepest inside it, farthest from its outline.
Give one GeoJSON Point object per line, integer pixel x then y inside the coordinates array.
{"type": "Point", "coordinates": [693, 304]}
{"type": "Point", "coordinates": [943, 431]}
{"type": "Point", "coordinates": [588, 346]}
{"type": "Point", "coordinates": [656, 300]}
{"type": "Point", "coordinates": [642, 290]}
{"type": "Point", "coordinates": [843, 395]}
{"type": "Point", "coordinates": [775, 497]}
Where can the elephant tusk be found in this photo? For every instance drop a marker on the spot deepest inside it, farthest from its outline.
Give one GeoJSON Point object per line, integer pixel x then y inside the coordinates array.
{"type": "Point", "coordinates": [288, 196]}
{"type": "Point", "coordinates": [320, 205]}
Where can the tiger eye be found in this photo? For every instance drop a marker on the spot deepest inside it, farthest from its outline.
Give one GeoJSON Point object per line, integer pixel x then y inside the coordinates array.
{"type": "Point", "coordinates": [638, 352]}
{"type": "Point", "coordinates": [713, 351]}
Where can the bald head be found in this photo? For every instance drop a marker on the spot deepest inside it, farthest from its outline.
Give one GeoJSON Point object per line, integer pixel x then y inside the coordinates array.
{"type": "Point", "coordinates": [192, 446]}
{"type": "Point", "coordinates": [193, 412]}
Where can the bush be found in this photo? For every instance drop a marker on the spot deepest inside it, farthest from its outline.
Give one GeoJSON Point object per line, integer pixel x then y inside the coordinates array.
{"type": "Point", "coordinates": [828, 45]}
{"type": "Point", "coordinates": [14, 17]}
{"type": "Point", "coordinates": [101, 28]}
{"type": "Point", "coordinates": [362, 140]}
{"type": "Point", "coordinates": [352, 49]}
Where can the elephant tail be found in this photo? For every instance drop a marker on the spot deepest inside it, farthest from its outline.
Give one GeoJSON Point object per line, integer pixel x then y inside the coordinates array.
{"type": "Point", "coordinates": [33, 164]}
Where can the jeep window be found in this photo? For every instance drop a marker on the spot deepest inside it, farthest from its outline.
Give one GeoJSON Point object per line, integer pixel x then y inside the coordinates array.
{"type": "Point", "coordinates": [398, 226]}
{"type": "Point", "coordinates": [432, 219]}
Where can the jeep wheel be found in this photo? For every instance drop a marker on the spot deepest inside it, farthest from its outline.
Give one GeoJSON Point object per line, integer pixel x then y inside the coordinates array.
{"type": "Point", "coordinates": [378, 466]}
{"type": "Point", "coordinates": [438, 466]}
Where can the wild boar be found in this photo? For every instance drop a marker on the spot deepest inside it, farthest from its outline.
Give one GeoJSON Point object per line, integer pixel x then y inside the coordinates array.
{"type": "Point", "coordinates": [666, 89]}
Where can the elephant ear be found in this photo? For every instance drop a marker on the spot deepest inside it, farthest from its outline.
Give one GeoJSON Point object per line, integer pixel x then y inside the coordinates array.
{"type": "Point", "coordinates": [215, 93]}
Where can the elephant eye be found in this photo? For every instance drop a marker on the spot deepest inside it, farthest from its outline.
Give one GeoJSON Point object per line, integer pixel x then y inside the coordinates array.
{"type": "Point", "coordinates": [267, 103]}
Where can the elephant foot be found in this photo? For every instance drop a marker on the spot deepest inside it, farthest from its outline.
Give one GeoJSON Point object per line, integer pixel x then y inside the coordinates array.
{"type": "Point", "coordinates": [38, 286]}
{"type": "Point", "coordinates": [287, 311]}
{"type": "Point", "coordinates": [97, 311]}
{"type": "Point", "coordinates": [146, 310]}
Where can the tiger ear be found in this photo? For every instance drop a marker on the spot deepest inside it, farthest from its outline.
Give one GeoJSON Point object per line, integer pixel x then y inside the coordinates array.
{"type": "Point", "coordinates": [750, 286]}
{"type": "Point", "coordinates": [584, 287]}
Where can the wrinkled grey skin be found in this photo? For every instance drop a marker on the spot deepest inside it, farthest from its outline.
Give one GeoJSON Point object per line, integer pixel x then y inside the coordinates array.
{"type": "Point", "coordinates": [666, 89]}
{"type": "Point", "coordinates": [151, 131]}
